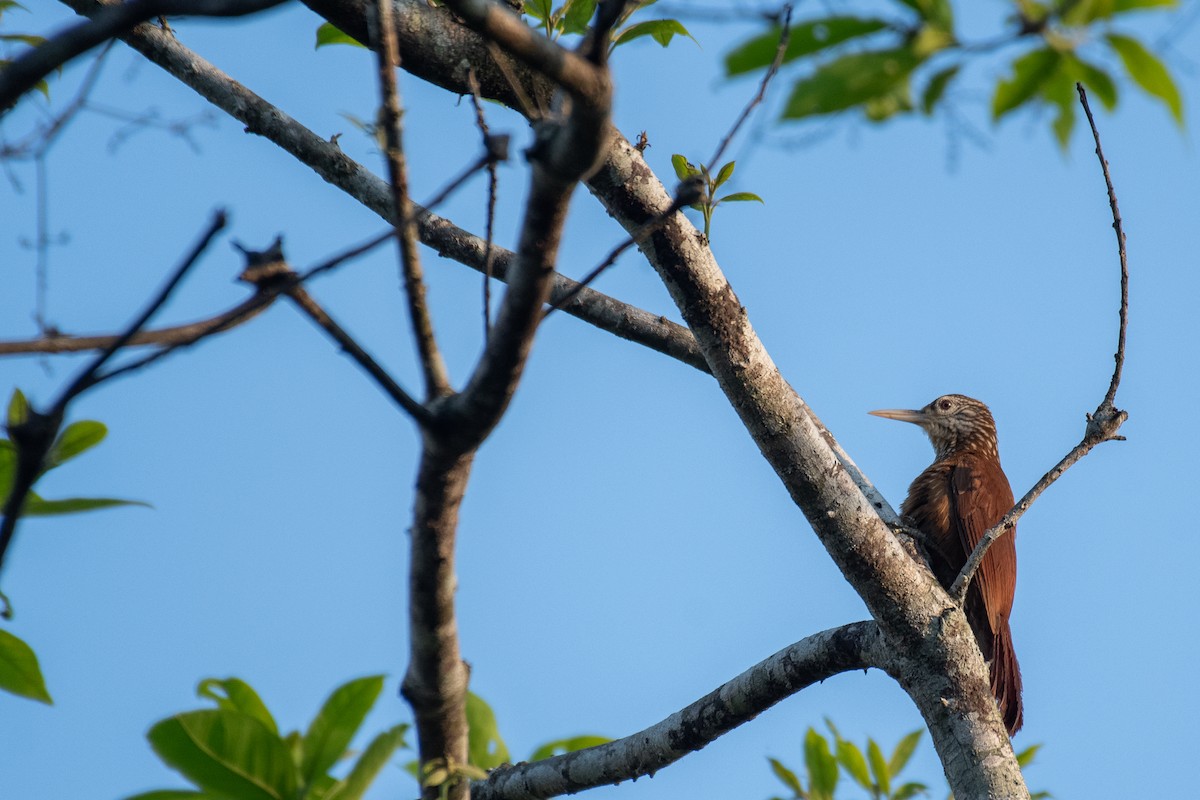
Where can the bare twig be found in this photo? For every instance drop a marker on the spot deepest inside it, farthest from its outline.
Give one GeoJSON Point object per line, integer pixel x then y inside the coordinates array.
{"type": "Point", "coordinates": [855, 646]}
{"type": "Point", "coordinates": [481, 123]}
{"type": "Point", "coordinates": [437, 381]}
{"type": "Point", "coordinates": [785, 34]}
{"type": "Point", "coordinates": [1103, 424]}
{"type": "Point", "coordinates": [23, 73]}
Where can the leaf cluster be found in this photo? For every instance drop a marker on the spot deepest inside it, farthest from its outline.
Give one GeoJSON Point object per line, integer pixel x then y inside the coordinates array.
{"type": "Point", "coordinates": [574, 16]}
{"type": "Point", "coordinates": [824, 760]}
{"type": "Point", "coordinates": [236, 750]}
{"type": "Point", "coordinates": [709, 201]}
{"type": "Point", "coordinates": [890, 67]}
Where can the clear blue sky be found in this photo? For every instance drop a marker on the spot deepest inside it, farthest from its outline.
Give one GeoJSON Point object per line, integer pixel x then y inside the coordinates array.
{"type": "Point", "coordinates": [624, 549]}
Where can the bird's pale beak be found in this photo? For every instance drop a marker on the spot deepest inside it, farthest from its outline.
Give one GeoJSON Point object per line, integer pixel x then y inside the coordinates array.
{"type": "Point", "coordinates": [902, 414]}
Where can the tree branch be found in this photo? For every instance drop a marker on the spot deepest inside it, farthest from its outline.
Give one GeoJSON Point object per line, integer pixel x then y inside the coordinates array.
{"type": "Point", "coordinates": [1102, 424]}
{"type": "Point", "coordinates": [437, 382]}
{"type": "Point", "coordinates": [858, 645]}
{"type": "Point", "coordinates": [24, 73]}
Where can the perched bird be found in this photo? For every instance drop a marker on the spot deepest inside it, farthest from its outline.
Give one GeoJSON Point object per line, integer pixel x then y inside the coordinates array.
{"type": "Point", "coordinates": [953, 503]}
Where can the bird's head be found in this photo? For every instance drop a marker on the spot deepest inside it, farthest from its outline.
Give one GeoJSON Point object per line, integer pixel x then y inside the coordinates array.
{"type": "Point", "coordinates": [954, 423]}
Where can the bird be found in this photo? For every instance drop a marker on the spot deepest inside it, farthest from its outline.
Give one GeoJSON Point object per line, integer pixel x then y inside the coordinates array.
{"type": "Point", "coordinates": [958, 497]}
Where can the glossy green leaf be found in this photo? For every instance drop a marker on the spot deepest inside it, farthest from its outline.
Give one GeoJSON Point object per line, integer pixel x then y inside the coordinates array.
{"type": "Point", "coordinates": [172, 794]}
{"type": "Point", "coordinates": [368, 765]}
{"type": "Point", "coordinates": [1148, 72]}
{"type": "Point", "coordinates": [336, 723]}
{"type": "Point", "coordinates": [805, 39]}
{"type": "Point", "coordinates": [19, 670]}
{"type": "Point", "coordinates": [936, 88]}
{"type": "Point", "coordinates": [37, 507]}
{"type": "Point", "coordinates": [903, 752]}
{"type": "Point", "coordinates": [1098, 82]}
{"type": "Point", "coordinates": [234, 694]}
{"type": "Point", "coordinates": [741, 197]}
{"type": "Point", "coordinates": [852, 760]}
{"type": "Point", "coordinates": [879, 767]}
{"type": "Point", "coordinates": [660, 30]}
{"type": "Point", "coordinates": [568, 745]}
{"type": "Point", "coordinates": [787, 777]}
{"type": "Point", "coordinates": [821, 764]}
{"type": "Point", "coordinates": [1030, 71]}
{"type": "Point", "coordinates": [849, 81]}
{"type": "Point", "coordinates": [226, 753]}
{"type": "Point", "coordinates": [578, 15]}
{"type": "Point", "coordinates": [1123, 6]}
{"type": "Point", "coordinates": [328, 34]}
{"type": "Point", "coordinates": [75, 439]}
{"type": "Point", "coordinates": [486, 749]}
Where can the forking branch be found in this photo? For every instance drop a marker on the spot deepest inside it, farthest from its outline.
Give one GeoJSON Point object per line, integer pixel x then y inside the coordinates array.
{"type": "Point", "coordinates": [1102, 424]}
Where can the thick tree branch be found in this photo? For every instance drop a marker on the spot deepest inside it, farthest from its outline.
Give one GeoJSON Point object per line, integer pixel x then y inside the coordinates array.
{"type": "Point", "coordinates": [1103, 424]}
{"type": "Point", "coordinates": [811, 660]}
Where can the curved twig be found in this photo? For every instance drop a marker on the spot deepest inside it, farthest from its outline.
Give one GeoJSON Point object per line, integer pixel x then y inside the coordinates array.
{"type": "Point", "coordinates": [1102, 424]}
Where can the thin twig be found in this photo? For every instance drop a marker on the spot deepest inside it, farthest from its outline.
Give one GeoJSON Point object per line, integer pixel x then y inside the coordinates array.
{"type": "Point", "coordinates": [637, 238]}
{"type": "Point", "coordinates": [309, 306]}
{"type": "Point", "coordinates": [493, 180]}
{"type": "Point", "coordinates": [437, 381]}
{"type": "Point", "coordinates": [785, 36]}
{"type": "Point", "coordinates": [1102, 424]}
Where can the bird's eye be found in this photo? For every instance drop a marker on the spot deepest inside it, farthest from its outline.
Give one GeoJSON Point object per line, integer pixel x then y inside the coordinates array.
{"type": "Point", "coordinates": [944, 404]}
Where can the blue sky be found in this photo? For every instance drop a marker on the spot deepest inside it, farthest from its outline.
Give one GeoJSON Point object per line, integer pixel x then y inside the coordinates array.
{"type": "Point", "coordinates": [623, 548]}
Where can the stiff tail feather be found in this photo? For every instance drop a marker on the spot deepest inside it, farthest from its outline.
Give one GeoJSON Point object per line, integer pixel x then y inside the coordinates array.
{"type": "Point", "coordinates": [1006, 679]}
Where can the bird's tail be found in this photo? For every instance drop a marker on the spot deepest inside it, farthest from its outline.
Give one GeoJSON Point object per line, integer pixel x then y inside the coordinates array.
{"type": "Point", "coordinates": [1006, 679]}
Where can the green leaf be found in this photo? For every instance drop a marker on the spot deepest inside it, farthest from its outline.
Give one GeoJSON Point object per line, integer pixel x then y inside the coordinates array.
{"type": "Point", "coordinates": [29, 39]}
{"type": "Point", "coordinates": [903, 752]}
{"type": "Point", "coordinates": [741, 197]}
{"type": "Point", "coordinates": [369, 764]}
{"type": "Point", "coordinates": [936, 88]}
{"type": "Point", "coordinates": [724, 174]}
{"type": "Point", "coordinates": [1060, 91]}
{"type": "Point", "coordinates": [234, 694]}
{"type": "Point", "coordinates": [328, 33]}
{"type": "Point", "coordinates": [569, 745]}
{"type": "Point", "coordinates": [172, 794]}
{"type": "Point", "coordinates": [19, 670]}
{"type": "Point", "coordinates": [226, 753]}
{"type": "Point", "coordinates": [75, 439]}
{"type": "Point", "coordinates": [805, 38]}
{"type": "Point", "coordinates": [336, 723]}
{"type": "Point", "coordinates": [486, 749]}
{"type": "Point", "coordinates": [538, 9]}
{"type": "Point", "coordinates": [850, 80]}
{"type": "Point", "coordinates": [578, 15]}
{"type": "Point", "coordinates": [1123, 6]}
{"type": "Point", "coordinates": [37, 507]}
{"type": "Point", "coordinates": [1026, 756]}
{"type": "Point", "coordinates": [660, 30]}
{"type": "Point", "coordinates": [879, 767]}
{"type": "Point", "coordinates": [894, 101]}
{"type": "Point", "coordinates": [683, 167]}
{"type": "Point", "coordinates": [787, 777]}
{"type": "Point", "coordinates": [1030, 71]}
{"type": "Point", "coordinates": [851, 758]}
{"type": "Point", "coordinates": [908, 790]}
{"type": "Point", "coordinates": [1148, 72]}
{"type": "Point", "coordinates": [18, 408]}
{"type": "Point", "coordinates": [1098, 82]}
{"type": "Point", "coordinates": [821, 764]}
